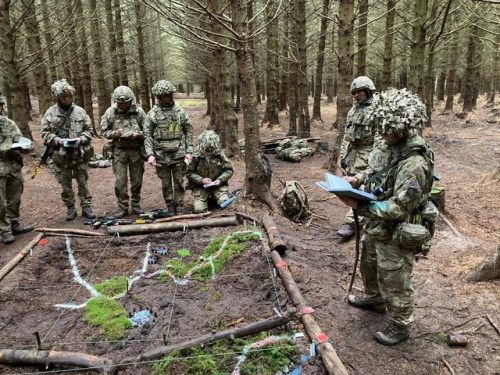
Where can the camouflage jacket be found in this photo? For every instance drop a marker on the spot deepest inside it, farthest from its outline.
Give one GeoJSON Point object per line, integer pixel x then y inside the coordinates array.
{"type": "Point", "coordinates": [131, 121]}
{"type": "Point", "coordinates": [168, 134]}
{"type": "Point", "coordinates": [403, 183]}
{"type": "Point", "coordinates": [359, 130]}
{"type": "Point", "coordinates": [215, 167]}
{"type": "Point", "coordinates": [9, 134]}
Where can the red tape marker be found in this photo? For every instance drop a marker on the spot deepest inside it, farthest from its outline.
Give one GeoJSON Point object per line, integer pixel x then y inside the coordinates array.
{"type": "Point", "coordinates": [43, 241]}
{"type": "Point", "coordinates": [321, 338]}
{"type": "Point", "coordinates": [307, 310]}
{"type": "Point", "coordinates": [280, 264]}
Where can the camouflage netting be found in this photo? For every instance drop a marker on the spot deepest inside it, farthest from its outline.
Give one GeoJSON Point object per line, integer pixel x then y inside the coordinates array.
{"type": "Point", "coordinates": [163, 87]}
{"type": "Point", "coordinates": [293, 150]}
{"type": "Point", "coordinates": [61, 87]}
{"type": "Point", "coordinates": [398, 109]}
{"type": "Point", "coordinates": [209, 143]}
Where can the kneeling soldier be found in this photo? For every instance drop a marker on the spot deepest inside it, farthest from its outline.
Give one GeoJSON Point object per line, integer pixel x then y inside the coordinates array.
{"type": "Point", "coordinates": [209, 172]}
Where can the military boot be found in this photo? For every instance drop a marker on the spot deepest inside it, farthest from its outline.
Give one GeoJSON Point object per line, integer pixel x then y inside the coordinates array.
{"type": "Point", "coordinates": [363, 302]}
{"type": "Point", "coordinates": [87, 212]}
{"type": "Point", "coordinates": [71, 213]}
{"type": "Point", "coordinates": [8, 238]}
{"type": "Point", "coordinates": [137, 210]}
{"type": "Point", "coordinates": [122, 212]}
{"type": "Point", "coordinates": [18, 228]}
{"type": "Point", "coordinates": [346, 231]}
{"type": "Point", "coordinates": [393, 334]}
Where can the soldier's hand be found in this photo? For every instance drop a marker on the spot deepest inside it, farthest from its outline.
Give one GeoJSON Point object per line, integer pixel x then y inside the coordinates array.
{"type": "Point", "coordinates": [352, 180]}
{"type": "Point", "coordinates": [217, 182]}
{"type": "Point", "coordinates": [60, 142]}
{"type": "Point", "coordinates": [118, 133]}
{"type": "Point", "coordinates": [206, 180]}
{"type": "Point", "coordinates": [78, 141]}
{"type": "Point", "coordinates": [152, 160]}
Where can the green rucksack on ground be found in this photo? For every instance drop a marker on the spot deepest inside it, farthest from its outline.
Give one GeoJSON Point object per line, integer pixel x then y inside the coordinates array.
{"type": "Point", "coordinates": [293, 201]}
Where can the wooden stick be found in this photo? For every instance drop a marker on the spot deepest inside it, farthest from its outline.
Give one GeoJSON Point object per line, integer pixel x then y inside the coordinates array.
{"type": "Point", "coordinates": [447, 365]}
{"type": "Point", "coordinates": [133, 229]}
{"type": "Point", "coordinates": [450, 225]}
{"type": "Point", "coordinates": [248, 217]}
{"type": "Point", "coordinates": [20, 256]}
{"type": "Point", "coordinates": [46, 358]}
{"type": "Point", "coordinates": [49, 231]}
{"type": "Point", "coordinates": [275, 239]}
{"type": "Point", "coordinates": [493, 324]}
{"type": "Point", "coordinates": [332, 362]}
{"type": "Point", "coordinates": [182, 217]}
{"type": "Point", "coordinates": [249, 329]}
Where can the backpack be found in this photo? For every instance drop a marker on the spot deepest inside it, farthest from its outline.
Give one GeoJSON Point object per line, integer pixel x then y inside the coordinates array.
{"type": "Point", "coordinates": [293, 201]}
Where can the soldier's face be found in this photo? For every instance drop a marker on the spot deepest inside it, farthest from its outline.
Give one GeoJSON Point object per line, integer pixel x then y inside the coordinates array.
{"type": "Point", "coordinates": [392, 138]}
{"type": "Point", "coordinates": [65, 99]}
{"type": "Point", "coordinates": [359, 96]}
{"type": "Point", "coordinates": [165, 99]}
{"type": "Point", "coordinates": [124, 106]}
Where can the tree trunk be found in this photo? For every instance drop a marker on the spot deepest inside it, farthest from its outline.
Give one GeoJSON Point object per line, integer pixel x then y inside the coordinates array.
{"type": "Point", "coordinates": [255, 175]}
{"type": "Point", "coordinates": [330, 81]}
{"type": "Point", "coordinates": [271, 114]}
{"type": "Point", "coordinates": [120, 44]}
{"type": "Point", "coordinates": [452, 71]}
{"type": "Point", "coordinates": [47, 37]}
{"type": "Point", "coordinates": [304, 127]}
{"type": "Point", "coordinates": [141, 51]}
{"type": "Point", "coordinates": [72, 57]}
{"type": "Point", "coordinates": [115, 73]}
{"type": "Point", "coordinates": [316, 115]}
{"type": "Point", "coordinates": [283, 94]}
{"type": "Point", "coordinates": [468, 89]}
{"type": "Point", "coordinates": [388, 44]}
{"type": "Point", "coordinates": [441, 81]}
{"type": "Point", "coordinates": [9, 61]}
{"type": "Point", "coordinates": [488, 269]}
{"type": "Point", "coordinates": [417, 54]}
{"type": "Point", "coordinates": [494, 72]}
{"type": "Point", "coordinates": [292, 76]}
{"type": "Point", "coordinates": [362, 37]}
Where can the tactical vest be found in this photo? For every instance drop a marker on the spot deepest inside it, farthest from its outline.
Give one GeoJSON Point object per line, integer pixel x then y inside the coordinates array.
{"type": "Point", "coordinates": [168, 132]}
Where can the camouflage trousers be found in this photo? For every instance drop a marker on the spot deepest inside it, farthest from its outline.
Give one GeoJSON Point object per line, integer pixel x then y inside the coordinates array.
{"type": "Point", "coordinates": [386, 270]}
{"type": "Point", "coordinates": [357, 161]}
{"type": "Point", "coordinates": [65, 174]}
{"type": "Point", "coordinates": [128, 160]}
{"type": "Point", "coordinates": [201, 197]}
{"type": "Point", "coordinates": [11, 189]}
{"type": "Point", "coordinates": [172, 182]}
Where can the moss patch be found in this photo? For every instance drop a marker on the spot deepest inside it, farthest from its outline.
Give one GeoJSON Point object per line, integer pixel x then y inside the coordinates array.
{"type": "Point", "coordinates": [109, 315]}
{"type": "Point", "coordinates": [113, 287]}
{"type": "Point", "coordinates": [221, 357]}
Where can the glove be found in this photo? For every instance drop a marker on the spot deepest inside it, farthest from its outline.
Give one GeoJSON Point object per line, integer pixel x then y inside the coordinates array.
{"type": "Point", "coordinates": [152, 160]}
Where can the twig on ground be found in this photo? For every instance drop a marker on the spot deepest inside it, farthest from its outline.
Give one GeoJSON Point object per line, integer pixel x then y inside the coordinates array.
{"type": "Point", "coordinates": [493, 324]}
{"type": "Point", "coordinates": [448, 366]}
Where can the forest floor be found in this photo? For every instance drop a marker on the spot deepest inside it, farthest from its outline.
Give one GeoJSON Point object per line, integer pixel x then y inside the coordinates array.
{"type": "Point", "coordinates": [467, 155]}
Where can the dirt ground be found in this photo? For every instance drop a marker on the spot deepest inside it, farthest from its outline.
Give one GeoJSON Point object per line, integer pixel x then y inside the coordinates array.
{"type": "Point", "coordinates": [467, 155]}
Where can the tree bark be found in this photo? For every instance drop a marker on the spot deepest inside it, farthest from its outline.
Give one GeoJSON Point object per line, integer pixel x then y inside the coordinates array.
{"type": "Point", "coordinates": [271, 113]}
{"type": "Point", "coordinates": [115, 73]}
{"type": "Point", "coordinates": [388, 44]}
{"type": "Point", "coordinates": [488, 269]}
{"type": "Point", "coordinates": [283, 94]}
{"type": "Point", "coordinates": [316, 115]}
{"type": "Point", "coordinates": [304, 127]}
{"type": "Point", "coordinates": [417, 55]}
{"type": "Point", "coordinates": [293, 93]}
{"type": "Point", "coordinates": [120, 44]}
{"type": "Point", "coordinates": [20, 256]}
{"type": "Point", "coordinates": [330, 81]}
{"type": "Point", "coordinates": [47, 37]}
{"type": "Point", "coordinates": [362, 37]}
{"type": "Point", "coordinates": [468, 90]}
{"type": "Point", "coordinates": [452, 70]}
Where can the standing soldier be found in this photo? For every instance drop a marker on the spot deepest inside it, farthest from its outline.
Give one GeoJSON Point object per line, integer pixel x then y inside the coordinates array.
{"type": "Point", "coordinates": [66, 128]}
{"type": "Point", "coordinates": [123, 123]}
{"type": "Point", "coordinates": [11, 179]}
{"type": "Point", "coordinates": [399, 224]}
{"type": "Point", "coordinates": [209, 172]}
{"type": "Point", "coordinates": [358, 139]}
{"type": "Point", "coordinates": [168, 138]}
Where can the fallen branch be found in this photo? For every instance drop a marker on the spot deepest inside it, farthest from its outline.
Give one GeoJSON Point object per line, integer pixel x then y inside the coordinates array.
{"type": "Point", "coordinates": [332, 362]}
{"type": "Point", "coordinates": [488, 269]}
{"type": "Point", "coordinates": [47, 358]}
{"type": "Point", "coordinates": [183, 217]}
{"type": "Point", "coordinates": [493, 324]}
{"type": "Point", "coordinates": [275, 239]}
{"type": "Point", "coordinates": [20, 256]}
{"type": "Point", "coordinates": [248, 217]}
{"type": "Point", "coordinates": [450, 225]}
{"type": "Point", "coordinates": [50, 231]}
{"type": "Point", "coordinates": [133, 229]}
{"type": "Point", "coordinates": [250, 329]}
{"type": "Point", "coordinates": [448, 366]}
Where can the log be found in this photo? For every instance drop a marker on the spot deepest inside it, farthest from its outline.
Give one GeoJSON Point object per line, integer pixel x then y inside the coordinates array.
{"type": "Point", "coordinates": [488, 269]}
{"type": "Point", "coordinates": [49, 231]}
{"type": "Point", "coordinates": [46, 358]}
{"type": "Point", "coordinates": [20, 256]}
{"type": "Point", "coordinates": [182, 217]}
{"type": "Point", "coordinates": [134, 229]}
{"type": "Point", "coordinates": [276, 241]}
{"type": "Point", "coordinates": [332, 362]}
{"type": "Point", "coordinates": [248, 330]}
{"type": "Point", "coordinates": [248, 217]}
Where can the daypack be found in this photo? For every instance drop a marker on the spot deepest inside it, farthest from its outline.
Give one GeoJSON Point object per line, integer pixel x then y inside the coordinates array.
{"type": "Point", "coordinates": [293, 201]}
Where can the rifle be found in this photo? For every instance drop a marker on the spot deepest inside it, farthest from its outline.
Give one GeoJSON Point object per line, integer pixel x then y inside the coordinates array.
{"type": "Point", "coordinates": [106, 221]}
{"type": "Point", "coordinates": [46, 154]}
{"type": "Point", "coordinates": [230, 200]}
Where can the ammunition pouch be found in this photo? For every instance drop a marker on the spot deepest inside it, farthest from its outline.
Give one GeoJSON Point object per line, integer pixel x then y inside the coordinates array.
{"type": "Point", "coordinates": [410, 235]}
{"type": "Point", "coordinates": [170, 146]}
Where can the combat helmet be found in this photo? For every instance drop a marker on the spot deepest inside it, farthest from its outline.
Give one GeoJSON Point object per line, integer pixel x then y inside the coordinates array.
{"type": "Point", "coordinates": [399, 110]}
{"type": "Point", "coordinates": [209, 143]}
{"type": "Point", "coordinates": [61, 87]}
{"type": "Point", "coordinates": [163, 87]}
{"type": "Point", "coordinates": [123, 94]}
{"type": "Point", "coordinates": [362, 83]}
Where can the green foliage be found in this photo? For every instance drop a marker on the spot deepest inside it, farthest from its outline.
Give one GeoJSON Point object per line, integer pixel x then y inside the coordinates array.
{"type": "Point", "coordinates": [190, 103]}
{"type": "Point", "coordinates": [441, 338]}
{"type": "Point", "coordinates": [221, 357]}
{"type": "Point", "coordinates": [183, 253]}
{"type": "Point", "coordinates": [109, 315]}
{"type": "Point", "coordinates": [115, 286]}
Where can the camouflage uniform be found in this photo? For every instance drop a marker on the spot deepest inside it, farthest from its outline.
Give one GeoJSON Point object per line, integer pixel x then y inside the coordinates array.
{"type": "Point", "coordinates": [209, 162]}
{"type": "Point", "coordinates": [359, 134]}
{"type": "Point", "coordinates": [128, 153]}
{"type": "Point", "coordinates": [402, 175]}
{"type": "Point", "coordinates": [168, 136]}
{"type": "Point", "coordinates": [11, 178]}
{"type": "Point", "coordinates": [69, 163]}
{"type": "Point", "coordinates": [293, 150]}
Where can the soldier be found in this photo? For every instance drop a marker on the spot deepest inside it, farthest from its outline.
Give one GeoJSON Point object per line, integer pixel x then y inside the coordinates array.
{"type": "Point", "coordinates": [168, 138]}
{"type": "Point", "coordinates": [66, 128]}
{"type": "Point", "coordinates": [209, 172]}
{"type": "Point", "coordinates": [11, 179]}
{"type": "Point", "coordinates": [358, 139]}
{"type": "Point", "coordinates": [123, 124]}
{"type": "Point", "coordinates": [394, 229]}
